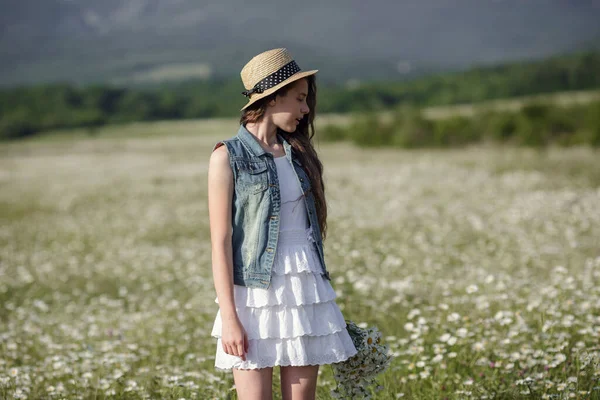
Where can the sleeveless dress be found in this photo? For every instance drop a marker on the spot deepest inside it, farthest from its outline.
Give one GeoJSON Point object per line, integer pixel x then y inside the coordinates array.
{"type": "Point", "coordinates": [295, 321]}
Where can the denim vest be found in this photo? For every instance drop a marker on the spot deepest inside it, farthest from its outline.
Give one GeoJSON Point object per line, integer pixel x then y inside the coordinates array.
{"type": "Point", "coordinates": [256, 206]}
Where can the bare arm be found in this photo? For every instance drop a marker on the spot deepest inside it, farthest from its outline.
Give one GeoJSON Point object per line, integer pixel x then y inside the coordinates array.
{"type": "Point", "coordinates": [220, 195]}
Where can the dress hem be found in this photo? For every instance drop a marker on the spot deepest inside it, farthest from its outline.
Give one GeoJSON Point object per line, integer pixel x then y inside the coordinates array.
{"type": "Point", "coordinates": [290, 364]}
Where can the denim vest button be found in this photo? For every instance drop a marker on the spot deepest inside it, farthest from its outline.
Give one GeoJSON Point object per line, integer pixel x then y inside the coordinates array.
{"type": "Point", "coordinates": [270, 249]}
{"type": "Point", "coordinates": [273, 216]}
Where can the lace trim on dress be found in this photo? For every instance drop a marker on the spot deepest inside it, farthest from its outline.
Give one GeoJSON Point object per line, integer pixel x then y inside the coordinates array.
{"type": "Point", "coordinates": [302, 350]}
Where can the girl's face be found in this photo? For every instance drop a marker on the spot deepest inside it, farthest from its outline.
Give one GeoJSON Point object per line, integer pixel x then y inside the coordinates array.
{"type": "Point", "coordinates": [287, 111]}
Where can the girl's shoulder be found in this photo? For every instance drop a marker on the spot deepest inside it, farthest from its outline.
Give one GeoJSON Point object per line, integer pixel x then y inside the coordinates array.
{"type": "Point", "coordinates": [219, 159]}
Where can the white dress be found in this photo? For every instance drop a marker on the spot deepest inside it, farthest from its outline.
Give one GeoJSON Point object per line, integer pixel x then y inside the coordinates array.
{"type": "Point", "coordinates": [295, 321]}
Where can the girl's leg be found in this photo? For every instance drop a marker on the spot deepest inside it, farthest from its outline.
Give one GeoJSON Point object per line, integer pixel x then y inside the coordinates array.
{"type": "Point", "coordinates": [254, 384]}
{"type": "Point", "coordinates": [299, 383]}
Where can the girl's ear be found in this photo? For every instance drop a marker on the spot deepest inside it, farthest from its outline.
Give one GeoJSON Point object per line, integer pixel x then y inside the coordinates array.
{"type": "Point", "coordinates": [272, 102]}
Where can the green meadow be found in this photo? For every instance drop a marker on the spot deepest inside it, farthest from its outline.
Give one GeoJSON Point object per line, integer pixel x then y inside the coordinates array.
{"type": "Point", "coordinates": [480, 265]}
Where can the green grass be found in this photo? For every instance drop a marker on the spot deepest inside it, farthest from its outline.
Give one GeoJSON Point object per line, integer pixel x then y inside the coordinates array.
{"type": "Point", "coordinates": [479, 265]}
{"type": "Point", "coordinates": [469, 110]}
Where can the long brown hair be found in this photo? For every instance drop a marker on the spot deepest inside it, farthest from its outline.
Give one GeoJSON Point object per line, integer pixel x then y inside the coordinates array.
{"type": "Point", "coordinates": [301, 141]}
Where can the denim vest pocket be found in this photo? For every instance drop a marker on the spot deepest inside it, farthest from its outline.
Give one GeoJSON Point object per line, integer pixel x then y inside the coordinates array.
{"type": "Point", "coordinates": [253, 177]}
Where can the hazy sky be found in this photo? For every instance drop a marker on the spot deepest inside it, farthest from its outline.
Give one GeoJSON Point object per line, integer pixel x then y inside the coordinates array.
{"type": "Point", "coordinates": [393, 34]}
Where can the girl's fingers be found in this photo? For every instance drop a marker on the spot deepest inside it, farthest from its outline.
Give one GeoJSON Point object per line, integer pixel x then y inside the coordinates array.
{"type": "Point", "coordinates": [240, 349]}
{"type": "Point", "coordinates": [232, 349]}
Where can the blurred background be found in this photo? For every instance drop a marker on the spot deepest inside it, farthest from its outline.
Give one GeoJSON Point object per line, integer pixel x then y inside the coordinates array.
{"type": "Point", "coordinates": [461, 148]}
{"type": "Point", "coordinates": [83, 63]}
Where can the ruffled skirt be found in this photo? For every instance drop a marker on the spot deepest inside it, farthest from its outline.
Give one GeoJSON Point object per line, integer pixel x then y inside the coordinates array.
{"type": "Point", "coordinates": [295, 321]}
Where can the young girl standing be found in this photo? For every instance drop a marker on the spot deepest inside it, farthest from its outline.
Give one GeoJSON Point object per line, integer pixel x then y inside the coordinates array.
{"type": "Point", "coordinates": [267, 222]}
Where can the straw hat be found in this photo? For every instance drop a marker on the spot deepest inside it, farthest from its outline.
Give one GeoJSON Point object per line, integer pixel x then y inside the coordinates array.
{"type": "Point", "coordinates": [269, 71]}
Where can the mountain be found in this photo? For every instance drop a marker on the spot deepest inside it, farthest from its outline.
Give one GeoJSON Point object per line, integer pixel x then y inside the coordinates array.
{"type": "Point", "coordinates": [131, 41]}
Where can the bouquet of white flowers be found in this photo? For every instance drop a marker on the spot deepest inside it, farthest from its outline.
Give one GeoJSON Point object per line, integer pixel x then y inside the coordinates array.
{"type": "Point", "coordinates": [357, 373]}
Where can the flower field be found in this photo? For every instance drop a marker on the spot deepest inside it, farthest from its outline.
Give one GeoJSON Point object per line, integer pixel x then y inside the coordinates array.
{"type": "Point", "coordinates": [480, 266]}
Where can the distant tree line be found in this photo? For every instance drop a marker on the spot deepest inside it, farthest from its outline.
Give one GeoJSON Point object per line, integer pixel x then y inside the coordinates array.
{"type": "Point", "coordinates": [535, 125]}
{"type": "Point", "coordinates": [27, 111]}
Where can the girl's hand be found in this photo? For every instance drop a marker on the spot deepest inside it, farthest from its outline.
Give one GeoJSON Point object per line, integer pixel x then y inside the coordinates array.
{"type": "Point", "coordinates": [234, 338]}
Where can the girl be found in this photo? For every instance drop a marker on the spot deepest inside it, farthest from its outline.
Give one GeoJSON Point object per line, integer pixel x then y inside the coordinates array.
{"type": "Point", "coordinates": [267, 222]}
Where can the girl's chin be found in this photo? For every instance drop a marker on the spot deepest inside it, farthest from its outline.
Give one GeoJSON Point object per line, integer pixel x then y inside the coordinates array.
{"type": "Point", "coordinates": [290, 129]}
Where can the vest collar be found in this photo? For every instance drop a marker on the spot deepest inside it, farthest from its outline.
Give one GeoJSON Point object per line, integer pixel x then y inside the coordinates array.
{"type": "Point", "coordinates": [252, 145]}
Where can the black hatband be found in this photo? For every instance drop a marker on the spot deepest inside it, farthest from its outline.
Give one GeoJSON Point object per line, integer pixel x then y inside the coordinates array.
{"type": "Point", "coordinates": [274, 79]}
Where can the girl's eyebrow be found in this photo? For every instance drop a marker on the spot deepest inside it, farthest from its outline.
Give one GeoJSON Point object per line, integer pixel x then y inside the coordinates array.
{"type": "Point", "coordinates": [303, 94]}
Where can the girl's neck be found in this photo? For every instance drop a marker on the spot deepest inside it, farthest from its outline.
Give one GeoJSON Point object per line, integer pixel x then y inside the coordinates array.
{"type": "Point", "coordinates": [265, 133]}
